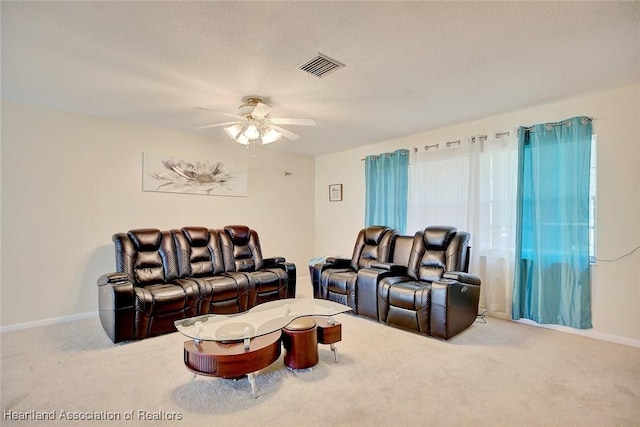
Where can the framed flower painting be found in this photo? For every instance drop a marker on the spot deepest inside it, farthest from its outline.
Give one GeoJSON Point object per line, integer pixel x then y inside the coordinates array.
{"type": "Point", "coordinates": [207, 177]}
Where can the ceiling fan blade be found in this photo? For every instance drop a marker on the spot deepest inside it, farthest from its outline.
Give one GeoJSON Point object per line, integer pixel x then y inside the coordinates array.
{"type": "Point", "coordinates": [287, 134]}
{"type": "Point", "coordinates": [215, 125]}
{"type": "Point", "coordinates": [217, 112]}
{"type": "Point", "coordinates": [291, 121]}
{"type": "Point", "coordinates": [261, 110]}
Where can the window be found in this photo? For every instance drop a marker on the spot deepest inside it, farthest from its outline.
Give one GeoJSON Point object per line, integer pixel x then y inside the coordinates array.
{"type": "Point", "coordinates": [473, 188]}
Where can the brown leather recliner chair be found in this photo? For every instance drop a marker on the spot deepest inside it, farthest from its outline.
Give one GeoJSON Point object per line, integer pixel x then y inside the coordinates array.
{"type": "Point", "coordinates": [202, 261]}
{"type": "Point", "coordinates": [436, 296]}
{"type": "Point", "coordinates": [164, 276]}
{"type": "Point", "coordinates": [336, 278]}
{"type": "Point", "coordinates": [147, 294]}
{"type": "Point", "coordinates": [269, 278]}
{"type": "Point", "coordinates": [419, 282]}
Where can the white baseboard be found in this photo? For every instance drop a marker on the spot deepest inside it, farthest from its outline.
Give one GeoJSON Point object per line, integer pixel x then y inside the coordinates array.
{"type": "Point", "coordinates": [585, 332]}
{"type": "Point", "coordinates": [46, 322]}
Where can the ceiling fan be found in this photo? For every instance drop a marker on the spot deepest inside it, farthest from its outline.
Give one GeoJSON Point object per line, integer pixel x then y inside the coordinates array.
{"type": "Point", "coordinates": [253, 123]}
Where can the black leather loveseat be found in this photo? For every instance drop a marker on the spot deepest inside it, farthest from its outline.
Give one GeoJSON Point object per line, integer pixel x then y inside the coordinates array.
{"type": "Point", "coordinates": [163, 276]}
{"type": "Point", "coordinates": [419, 282]}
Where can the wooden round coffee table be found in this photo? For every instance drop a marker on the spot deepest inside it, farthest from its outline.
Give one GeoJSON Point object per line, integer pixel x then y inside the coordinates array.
{"type": "Point", "coordinates": [231, 360]}
{"type": "Point", "coordinates": [238, 344]}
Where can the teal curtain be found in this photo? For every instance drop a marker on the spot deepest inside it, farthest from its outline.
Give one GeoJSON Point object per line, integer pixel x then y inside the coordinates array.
{"type": "Point", "coordinates": [386, 178]}
{"type": "Point", "coordinates": [552, 280]}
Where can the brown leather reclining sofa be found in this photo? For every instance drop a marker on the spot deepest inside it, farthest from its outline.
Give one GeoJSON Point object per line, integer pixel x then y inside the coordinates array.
{"type": "Point", "coordinates": [419, 282]}
{"type": "Point", "coordinates": [163, 276]}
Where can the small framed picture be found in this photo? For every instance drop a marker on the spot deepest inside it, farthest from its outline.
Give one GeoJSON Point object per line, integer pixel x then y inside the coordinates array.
{"type": "Point", "coordinates": [335, 193]}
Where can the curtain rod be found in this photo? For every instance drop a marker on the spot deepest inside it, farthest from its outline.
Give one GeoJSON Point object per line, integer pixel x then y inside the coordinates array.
{"type": "Point", "coordinates": [585, 120]}
{"type": "Point", "coordinates": [497, 135]}
{"type": "Point", "coordinates": [458, 141]}
{"type": "Point", "coordinates": [388, 154]}
{"type": "Point", "coordinates": [450, 143]}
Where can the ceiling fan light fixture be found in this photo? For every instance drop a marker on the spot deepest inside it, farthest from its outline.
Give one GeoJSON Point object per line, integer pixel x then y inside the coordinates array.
{"type": "Point", "coordinates": [251, 132]}
{"type": "Point", "coordinates": [270, 136]}
{"type": "Point", "coordinates": [233, 131]}
{"type": "Point", "coordinates": [254, 124]}
{"type": "Point", "coordinates": [241, 139]}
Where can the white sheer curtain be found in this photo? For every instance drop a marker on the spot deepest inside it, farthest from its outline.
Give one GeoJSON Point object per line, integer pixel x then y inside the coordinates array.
{"type": "Point", "coordinates": [472, 186]}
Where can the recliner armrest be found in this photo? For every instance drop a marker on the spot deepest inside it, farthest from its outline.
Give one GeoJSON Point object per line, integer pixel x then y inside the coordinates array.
{"type": "Point", "coordinates": [273, 261]}
{"type": "Point", "coordinates": [367, 288]}
{"type": "Point", "coordinates": [116, 306]}
{"type": "Point", "coordinates": [115, 292]}
{"type": "Point", "coordinates": [315, 271]}
{"type": "Point", "coordinates": [336, 262]}
{"type": "Point", "coordinates": [289, 267]}
{"type": "Point", "coordinates": [462, 277]}
{"type": "Point", "coordinates": [112, 278]}
{"type": "Point", "coordinates": [391, 267]}
{"type": "Point", "coordinates": [454, 307]}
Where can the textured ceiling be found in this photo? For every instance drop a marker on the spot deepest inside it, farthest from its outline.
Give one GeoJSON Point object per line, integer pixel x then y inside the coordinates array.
{"type": "Point", "coordinates": [410, 66]}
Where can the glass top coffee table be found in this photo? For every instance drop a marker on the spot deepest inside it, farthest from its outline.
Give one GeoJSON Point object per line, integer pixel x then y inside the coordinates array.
{"type": "Point", "coordinates": [235, 345]}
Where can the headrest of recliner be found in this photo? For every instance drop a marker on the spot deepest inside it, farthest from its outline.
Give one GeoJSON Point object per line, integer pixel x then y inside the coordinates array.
{"type": "Point", "coordinates": [373, 234]}
{"type": "Point", "coordinates": [197, 236]}
{"type": "Point", "coordinates": [239, 233]}
{"type": "Point", "coordinates": [145, 239]}
{"type": "Point", "coordinates": [439, 236]}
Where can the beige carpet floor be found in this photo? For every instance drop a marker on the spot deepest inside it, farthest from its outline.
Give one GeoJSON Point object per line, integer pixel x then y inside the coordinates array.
{"type": "Point", "coordinates": [496, 374]}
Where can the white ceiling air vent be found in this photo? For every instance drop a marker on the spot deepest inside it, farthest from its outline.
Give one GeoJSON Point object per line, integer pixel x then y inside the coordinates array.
{"type": "Point", "coordinates": [320, 65]}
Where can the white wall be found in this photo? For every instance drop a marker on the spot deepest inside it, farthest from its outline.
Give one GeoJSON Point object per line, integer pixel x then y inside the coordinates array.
{"type": "Point", "coordinates": [615, 286]}
{"type": "Point", "coordinates": [70, 181]}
